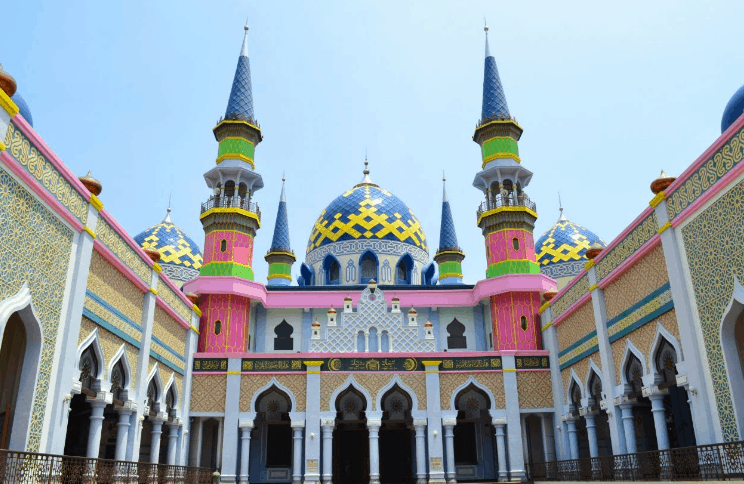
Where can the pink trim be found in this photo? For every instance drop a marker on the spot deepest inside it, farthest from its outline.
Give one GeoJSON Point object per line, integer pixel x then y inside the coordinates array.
{"type": "Point", "coordinates": [283, 372]}
{"type": "Point", "coordinates": [169, 283]}
{"type": "Point", "coordinates": [416, 297]}
{"type": "Point", "coordinates": [128, 273]}
{"type": "Point", "coordinates": [427, 356]}
{"type": "Point", "coordinates": [173, 314]}
{"type": "Point", "coordinates": [572, 308]}
{"type": "Point", "coordinates": [646, 212]}
{"type": "Point", "coordinates": [213, 372]}
{"type": "Point", "coordinates": [568, 286]}
{"type": "Point", "coordinates": [45, 150]}
{"type": "Point", "coordinates": [39, 190]}
{"type": "Point", "coordinates": [717, 187]}
{"type": "Point", "coordinates": [725, 136]}
{"type": "Point", "coordinates": [127, 238]}
{"type": "Point", "coordinates": [652, 243]}
{"type": "Point", "coordinates": [533, 369]}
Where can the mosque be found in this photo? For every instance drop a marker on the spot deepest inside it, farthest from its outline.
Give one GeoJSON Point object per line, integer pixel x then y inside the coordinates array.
{"type": "Point", "coordinates": [374, 362]}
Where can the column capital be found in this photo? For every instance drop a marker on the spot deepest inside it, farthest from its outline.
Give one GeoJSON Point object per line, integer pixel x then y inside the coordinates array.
{"type": "Point", "coordinates": [97, 402]}
{"type": "Point", "coordinates": [419, 422]}
{"type": "Point", "coordinates": [498, 422]}
{"type": "Point", "coordinates": [158, 420]}
{"type": "Point", "coordinates": [653, 392]}
{"type": "Point", "coordinates": [449, 422]}
{"type": "Point", "coordinates": [245, 423]}
{"type": "Point", "coordinates": [374, 423]}
{"type": "Point", "coordinates": [328, 423]}
{"type": "Point", "coordinates": [297, 424]}
{"type": "Point", "coordinates": [175, 423]}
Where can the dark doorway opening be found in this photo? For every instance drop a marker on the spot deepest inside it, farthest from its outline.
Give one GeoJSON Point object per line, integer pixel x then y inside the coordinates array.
{"type": "Point", "coordinates": [78, 424]}
{"type": "Point", "coordinates": [396, 438]}
{"type": "Point", "coordinates": [351, 439]}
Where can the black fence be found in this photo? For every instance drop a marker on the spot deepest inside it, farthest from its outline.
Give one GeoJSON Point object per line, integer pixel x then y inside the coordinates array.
{"type": "Point", "coordinates": [30, 468]}
{"type": "Point", "coordinates": [704, 462]}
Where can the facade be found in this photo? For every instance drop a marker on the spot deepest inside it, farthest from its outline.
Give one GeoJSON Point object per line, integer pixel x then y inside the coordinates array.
{"type": "Point", "coordinates": [379, 364]}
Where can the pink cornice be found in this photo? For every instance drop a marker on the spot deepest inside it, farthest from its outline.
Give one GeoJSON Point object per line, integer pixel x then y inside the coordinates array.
{"type": "Point", "coordinates": [640, 218]}
{"type": "Point", "coordinates": [417, 297]}
{"type": "Point", "coordinates": [39, 190]}
{"type": "Point", "coordinates": [572, 308]}
{"type": "Point", "coordinates": [170, 312]}
{"type": "Point", "coordinates": [568, 286]}
{"type": "Point", "coordinates": [420, 356]}
{"type": "Point", "coordinates": [628, 263]}
{"type": "Point", "coordinates": [120, 266]}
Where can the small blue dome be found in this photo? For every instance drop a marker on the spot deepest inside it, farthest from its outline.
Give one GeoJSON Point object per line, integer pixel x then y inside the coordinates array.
{"type": "Point", "coordinates": [561, 250]}
{"type": "Point", "coordinates": [734, 109]}
{"type": "Point", "coordinates": [23, 108]}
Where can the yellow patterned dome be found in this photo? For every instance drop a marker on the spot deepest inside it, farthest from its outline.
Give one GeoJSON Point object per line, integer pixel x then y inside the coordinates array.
{"type": "Point", "coordinates": [180, 257]}
{"type": "Point", "coordinates": [561, 251]}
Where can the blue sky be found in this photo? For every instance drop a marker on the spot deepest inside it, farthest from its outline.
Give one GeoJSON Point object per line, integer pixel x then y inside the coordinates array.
{"type": "Point", "coordinates": [608, 94]}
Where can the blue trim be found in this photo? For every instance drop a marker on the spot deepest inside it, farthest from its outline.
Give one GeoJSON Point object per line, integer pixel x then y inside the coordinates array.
{"type": "Point", "coordinates": [578, 343]}
{"type": "Point", "coordinates": [646, 319]}
{"type": "Point", "coordinates": [327, 270]}
{"type": "Point", "coordinates": [409, 269]}
{"type": "Point", "coordinates": [117, 313]}
{"type": "Point", "coordinates": [365, 280]}
{"type": "Point", "coordinates": [110, 327]}
{"type": "Point", "coordinates": [639, 304]}
{"type": "Point", "coordinates": [166, 362]}
{"type": "Point", "coordinates": [580, 357]}
{"type": "Point", "coordinates": [169, 349]}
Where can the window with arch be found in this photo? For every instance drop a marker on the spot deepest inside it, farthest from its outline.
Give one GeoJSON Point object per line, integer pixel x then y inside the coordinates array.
{"type": "Point", "coordinates": [118, 381]}
{"type": "Point", "coordinates": [230, 188]}
{"type": "Point", "coordinates": [575, 395]}
{"type": "Point", "coordinates": [170, 402]}
{"type": "Point", "coordinates": [283, 340]}
{"type": "Point", "coordinates": [332, 270]}
{"type": "Point", "coordinates": [152, 396]}
{"type": "Point", "coordinates": [666, 361]}
{"type": "Point", "coordinates": [242, 190]}
{"type": "Point", "coordinates": [595, 388]}
{"type": "Point", "coordinates": [634, 374]}
{"type": "Point", "coordinates": [217, 327]}
{"type": "Point", "coordinates": [368, 267]}
{"type": "Point", "coordinates": [223, 245]}
{"type": "Point", "coordinates": [403, 270]}
{"type": "Point", "coordinates": [515, 243]}
{"type": "Point", "coordinates": [360, 342]}
{"type": "Point", "coordinates": [523, 323]}
{"type": "Point", "coordinates": [88, 368]}
{"type": "Point", "coordinates": [456, 335]}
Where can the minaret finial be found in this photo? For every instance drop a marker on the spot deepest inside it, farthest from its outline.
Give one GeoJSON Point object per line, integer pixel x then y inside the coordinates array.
{"type": "Point", "coordinates": [485, 29]}
{"type": "Point", "coordinates": [561, 217]}
{"type": "Point", "coordinates": [244, 50]}
{"type": "Point", "coordinates": [444, 188]}
{"type": "Point", "coordinates": [167, 219]}
{"type": "Point", "coordinates": [283, 198]}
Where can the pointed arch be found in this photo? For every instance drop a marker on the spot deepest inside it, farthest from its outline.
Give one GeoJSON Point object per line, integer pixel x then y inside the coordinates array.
{"type": "Point", "coordinates": [350, 382]}
{"type": "Point", "coordinates": [154, 375]}
{"type": "Point", "coordinates": [471, 381]}
{"type": "Point", "coordinates": [369, 267]}
{"type": "Point", "coordinates": [593, 368]}
{"type": "Point", "coordinates": [731, 351]}
{"type": "Point", "coordinates": [574, 379]}
{"type": "Point", "coordinates": [273, 383]}
{"type": "Point", "coordinates": [661, 335]}
{"type": "Point", "coordinates": [171, 385]}
{"type": "Point", "coordinates": [94, 342]}
{"type": "Point", "coordinates": [331, 270]}
{"type": "Point", "coordinates": [397, 381]}
{"type": "Point", "coordinates": [630, 349]}
{"type": "Point", "coordinates": [22, 304]}
{"type": "Point", "coordinates": [121, 355]}
{"type": "Point", "coordinates": [404, 269]}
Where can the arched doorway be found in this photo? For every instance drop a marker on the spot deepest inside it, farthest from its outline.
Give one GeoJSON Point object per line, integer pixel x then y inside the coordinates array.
{"type": "Point", "coordinates": [148, 426]}
{"type": "Point", "coordinates": [12, 351]}
{"type": "Point", "coordinates": [396, 438]}
{"type": "Point", "coordinates": [474, 437]}
{"type": "Point", "coordinates": [677, 408]}
{"type": "Point", "coordinates": [643, 420]}
{"type": "Point", "coordinates": [601, 419]}
{"type": "Point", "coordinates": [351, 439]}
{"type": "Point", "coordinates": [582, 436]}
{"type": "Point", "coordinates": [271, 438]}
{"type": "Point", "coordinates": [78, 420]}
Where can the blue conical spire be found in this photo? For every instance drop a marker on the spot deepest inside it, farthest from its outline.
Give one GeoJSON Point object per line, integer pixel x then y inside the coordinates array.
{"type": "Point", "coordinates": [494, 100]}
{"type": "Point", "coordinates": [447, 235]}
{"type": "Point", "coordinates": [280, 242]}
{"type": "Point", "coordinates": [241, 94]}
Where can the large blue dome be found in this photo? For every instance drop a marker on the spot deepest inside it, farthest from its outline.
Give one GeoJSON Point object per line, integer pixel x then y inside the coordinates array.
{"type": "Point", "coordinates": [734, 109]}
{"type": "Point", "coordinates": [23, 108]}
{"type": "Point", "coordinates": [367, 212]}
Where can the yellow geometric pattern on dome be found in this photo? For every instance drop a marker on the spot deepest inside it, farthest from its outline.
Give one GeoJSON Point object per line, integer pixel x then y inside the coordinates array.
{"type": "Point", "coordinates": [366, 218]}
{"type": "Point", "coordinates": [174, 247]}
{"type": "Point", "coordinates": [554, 250]}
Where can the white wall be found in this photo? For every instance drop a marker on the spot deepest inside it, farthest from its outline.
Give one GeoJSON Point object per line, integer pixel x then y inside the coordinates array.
{"type": "Point", "coordinates": [273, 318]}
{"type": "Point", "coordinates": [465, 316]}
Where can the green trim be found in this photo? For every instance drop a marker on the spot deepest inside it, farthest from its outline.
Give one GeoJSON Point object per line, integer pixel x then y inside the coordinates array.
{"type": "Point", "coordinates": [450, 267]}
{"type": "Point", "coordinates": [226, 269]}
{"type": "Point", "coordinates": [495, 146]}
{"type": "Point", "coordinates": [513, 267]}
{"type": "Point", "coordinates": [236, 146]}
{"type": "Point", "coordinates": [280, 268]}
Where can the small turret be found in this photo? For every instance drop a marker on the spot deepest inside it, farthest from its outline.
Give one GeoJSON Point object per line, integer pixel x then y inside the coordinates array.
{"type": "Point", "coordinates": [280, 256]}
{"type": "Point", "coordinates": [449, 256]}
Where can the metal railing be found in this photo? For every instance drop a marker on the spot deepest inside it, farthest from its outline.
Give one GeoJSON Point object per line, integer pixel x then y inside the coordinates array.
{"type": "Point", "coordinates": [231, 202]}
{"type": "Point", "coordinates": [704, 462]}
{"type": "Point", "coordinates": [498, 201]}
{"type": "Point", "coordinates": [31, 468]}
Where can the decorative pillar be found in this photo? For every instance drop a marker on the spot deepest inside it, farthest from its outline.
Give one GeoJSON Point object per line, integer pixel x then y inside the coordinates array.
{"type": "Point", "coordinates": [629, 427]}
{"type": "Point", "coordinates": [420, 426]}
{"type": "Point", "coordinates": [449, 446]}
{"type": "Point", "coordinates": [173, 441]}
{"type": "Point", "coordinates": [196, 442]}
{"type": "Point", "coordinates": [94, 432]}
{"type": "Point", "coordinates": [546, 423]}
{"type": "Point", "coordinates": [434, 419]}
{"type": "Point", "coordinates": [373, 424]}
{"type": "Point", "coordinates": [572, 438]}
{"type": "Point", "coordinates": [312, 425]}
{"type": "Point", "coordinates": [657, 408]}
{"type": "Point", "coordinates": [122, 434]}
{"type": "Point", "coordinates": [297, 427]}
{"type": "Point", "coordinates": [246, 426]}
{"type": "Point", "coordinates": [499, 425]}
{"type": "Point", "coordinates": [591, 430]}
{"type": "Point", "coordinates": [230, 424]}
{"type": "Point", "coordinates": [328, 425]}
{"type": "Point", "coordinates": [157, 430]}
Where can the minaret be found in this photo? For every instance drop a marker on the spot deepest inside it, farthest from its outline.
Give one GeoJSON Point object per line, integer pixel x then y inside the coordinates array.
{"type": "Point", "coordinates": [229, 218]}
{"type": "Point", "coordinates": [507, 216]}
{"type": "Point", "coordinates": [449, 256]}
{"type": "Point", "coordinates": [280, 256]}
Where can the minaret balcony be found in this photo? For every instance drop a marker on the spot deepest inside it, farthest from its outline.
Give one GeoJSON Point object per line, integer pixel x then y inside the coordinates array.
{"type": "Point", "coordinates": [510, 200]}
{"type": "Point", "coordinates": [239, 202]}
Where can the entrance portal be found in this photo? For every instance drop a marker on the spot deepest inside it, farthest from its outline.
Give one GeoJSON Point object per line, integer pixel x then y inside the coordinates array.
{"type": "Point", "coordinates": [12, 349]}
{"type": "Point", "coordinates": [396, 439]}
{"type": "Point", "coordinates": [474, 437]}
{"type": "Point", "coordinates": [351, 440]}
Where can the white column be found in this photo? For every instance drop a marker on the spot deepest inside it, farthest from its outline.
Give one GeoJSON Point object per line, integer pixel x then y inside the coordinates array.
{"type": "Point", "coordinates": [629, 427]}
{"type": "Point", "coordinates": [420, 426]}
{"type": "Point", "coordinates": [379, 341]}
{"type": "Point", "coordinates": [196, 442]}
{"type": "Point", "coordinates": [122, 434]}
{"type": "Point", "coordinates": [573, 438]}
{"type": "Point", "coordinates": [96, 424]}
{"type": "Point", "coordinates": [172, 442]}
{"type": "Point", "coordinates": [591, 431]}
{"type": "Point", "coordinates": [157, 430]}
{"type": "Point", "coordinates": [366, 342]}
{"type": "Point", "coordinates": [327, 426]}
{"type": "Point", "coordinates": [657, 408]}
{"type": "Point", "coordinates": [374, 451]}
{"type": "Point", "coordinates": [499, 426]}
{"type": "Point", "coordinates": [449, 448]}
{"type": "Point", "coordinates": [297, 452]}
{"type": "Point", "coordinates": [246, 426]}
{"type": "Point", "coordinates": [546, 424]}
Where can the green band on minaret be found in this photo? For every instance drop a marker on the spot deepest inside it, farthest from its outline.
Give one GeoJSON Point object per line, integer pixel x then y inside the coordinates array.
{"type": "Point", "coordinates": [500, 147]}
{"type": "Point", "coordinates": [235, 146]}
{"type": "Point", "coordinates": [450, 268]}
{"type": "Point", "coordinates": [227, 269]}
{"type": "Point", "coordinates": [513, 267]}
{"type": "Point", "coordinates": [279, 269]}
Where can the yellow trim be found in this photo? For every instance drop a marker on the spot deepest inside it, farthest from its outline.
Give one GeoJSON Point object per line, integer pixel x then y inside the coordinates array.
{"type": "Point", "coordinates": [498, 121]}
{"type": "Point", "coordinates": [197, 310]}
{"type": "Point", "coordinates": [506, 209]}
{"type": "Point", "coordinates": [282, 253]}
{"type": "Point", "coordinates": [7, 104]}
{"type": "Point", "coordinates": [657, 199]}
{"type": "Point", "coordinates": [547, 325]}
{"type": "Point", "coordinates": [456, 252]}
{"type": "Point", "coordinates": [279, 276]}
{"type": "Point", "coordinates": [545, 306]}
{"type": "Point", "coordinates": [431, 371]}
{"type": "Point", "coordinates": [193, 328]}
{"type": "Point", "coordinates": [449, 274]}
{"type": "Point", "coordinates": [313, 372]}
{"type": "Point", "coordinates": [509, 370]}
{"type": "Point", "coordinates": [90, 232]}
{"type": "Point", "coordinates": [231, 210]}
{"type": "Point", "coordinates": [154, 291]}
{"type": "Point", "coordinates": [589, 264]}
{"type": "Point", "coordinates": [593, 287]}
{"type": "Point", "coordinates": [509, 230]}
{"type": "Point", "coordinates": [158, 268]}
{"type": "Point", "coordinates": [496, 156]}
{"type": "Point", "coordinates": [238, 121]}
{"type": "Point", "coordinates": [240, 138]}
{"type": "Point", "coordinates": [229, 156]}
{"type": "Point", "coordinates": [2, 146]}
{"type": "Point", "coordinates": [313, 363]}
{"type": "Point", "coordinates": [96, 202]}
{"type": "Point", "coordinates": [664, 227]}
{"type": "Point", "coordinates": [233, 373]}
